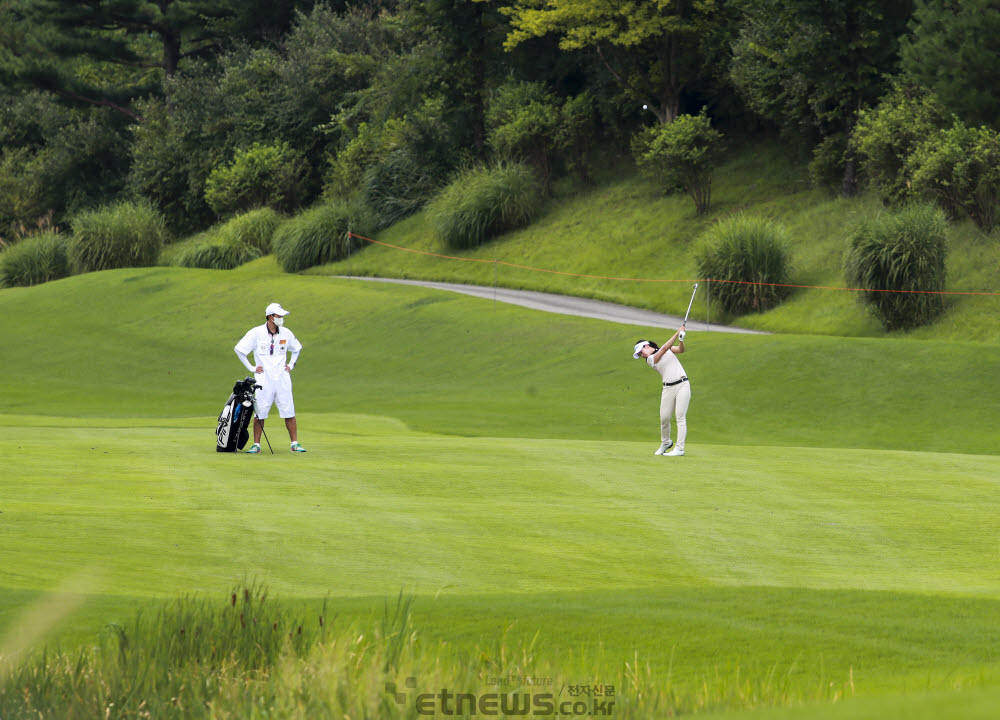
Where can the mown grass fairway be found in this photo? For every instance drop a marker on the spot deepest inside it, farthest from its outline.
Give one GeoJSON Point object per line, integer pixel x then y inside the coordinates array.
{"type": "Point", "coordinates": [831, 534]}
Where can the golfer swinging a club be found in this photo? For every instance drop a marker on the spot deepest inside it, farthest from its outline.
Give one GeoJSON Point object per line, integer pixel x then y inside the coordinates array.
{"type": "Point", "coordinates": [270, 344]}
{"type": "Point", "coordinates": [676, 389]}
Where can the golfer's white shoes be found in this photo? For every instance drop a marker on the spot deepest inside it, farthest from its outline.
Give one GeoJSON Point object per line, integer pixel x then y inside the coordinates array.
{"type": "Point", "coordinates": [675, 452]}
{"type": "Point", "coordinates": [664, 447]}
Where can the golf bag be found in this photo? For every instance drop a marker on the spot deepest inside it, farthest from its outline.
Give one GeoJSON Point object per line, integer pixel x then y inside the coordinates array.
{"type": "Point", "coordinates": [234, 420]}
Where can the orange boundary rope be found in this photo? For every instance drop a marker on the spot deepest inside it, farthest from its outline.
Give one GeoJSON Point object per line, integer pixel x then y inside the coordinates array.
{"type": "Point", "coordinates": [662, 280]}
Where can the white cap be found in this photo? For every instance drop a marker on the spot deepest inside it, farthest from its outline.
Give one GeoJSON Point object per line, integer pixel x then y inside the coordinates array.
{"type": "Point", "coordinates": [639, 346]}
{"type": "Point", "coordinates": [275, 309]}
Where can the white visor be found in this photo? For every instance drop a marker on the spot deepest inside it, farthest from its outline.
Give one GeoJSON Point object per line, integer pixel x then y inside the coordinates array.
{"type": "Point", "coordinates": [638, 347]}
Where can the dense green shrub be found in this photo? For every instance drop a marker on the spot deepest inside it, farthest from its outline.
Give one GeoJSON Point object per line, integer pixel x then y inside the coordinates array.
{"type": "Point", "coordinates": [485, 201]}
{"type": "Point", "coordinates": [826, 169]}
{"type": "Point", "coordinates": [35, 259]}
{"type": "Point", "coordinates": [123, 234]}
{"type": "Point", "coordinates": [320, 235]}
{"type": "Point", "coordinates": [746, 259]}
{"type": "Point", "coordinates": [258, 176]}
{"type": "Point", "coordinates": [886, 136]}
{"type": "Point", "coordinates": [898, 260]}
{"type": "Point", "coordinates": [394, 168]}
{"type": "Point", "coordinates": [217, 255]}
{"type": "Point", "coordinates": [682, 153]}
{"type": "Point", "coordinates": [960, 168]}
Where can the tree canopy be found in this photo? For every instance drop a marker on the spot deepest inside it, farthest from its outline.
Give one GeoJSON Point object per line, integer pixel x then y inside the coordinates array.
{"type": "Point", "coordinates": [383, 102]}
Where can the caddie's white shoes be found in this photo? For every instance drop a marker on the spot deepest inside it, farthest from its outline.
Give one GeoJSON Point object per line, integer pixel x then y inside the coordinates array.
{"type": "Point", "coordinates": [664, 447]}
{"type": "Point", "coordinates": [675, 452]}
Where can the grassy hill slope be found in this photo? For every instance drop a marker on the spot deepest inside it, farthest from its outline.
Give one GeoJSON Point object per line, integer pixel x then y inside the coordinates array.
{"type": "Point", "coordinates": [625, 227]}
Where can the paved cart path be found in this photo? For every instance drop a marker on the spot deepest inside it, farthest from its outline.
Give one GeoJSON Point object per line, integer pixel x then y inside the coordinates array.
{"type": "Point", "coordinates": [566, 305]}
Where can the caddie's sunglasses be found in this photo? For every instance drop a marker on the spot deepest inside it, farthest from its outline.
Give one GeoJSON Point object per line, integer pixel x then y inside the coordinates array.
{"type": "Point", "coordinates": [272, 346]}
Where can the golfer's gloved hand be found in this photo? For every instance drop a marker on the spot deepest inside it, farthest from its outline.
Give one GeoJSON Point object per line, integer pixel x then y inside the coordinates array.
{"type": "Point", "coordinates": [680, 335]}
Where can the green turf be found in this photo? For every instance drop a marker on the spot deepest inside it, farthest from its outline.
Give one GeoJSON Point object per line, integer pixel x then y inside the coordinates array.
{"type": "Point", "coordinates": [834, 521]}
{"type": "Point", "coordinates": [445, 363]}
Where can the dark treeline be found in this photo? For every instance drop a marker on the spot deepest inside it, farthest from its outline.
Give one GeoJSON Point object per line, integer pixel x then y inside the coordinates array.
{"type": "Point", "coordinates": [207, 108]}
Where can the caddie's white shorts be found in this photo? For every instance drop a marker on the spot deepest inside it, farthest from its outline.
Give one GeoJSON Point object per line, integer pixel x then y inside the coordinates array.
{"type": "Point", "coordinates": [275, 391]}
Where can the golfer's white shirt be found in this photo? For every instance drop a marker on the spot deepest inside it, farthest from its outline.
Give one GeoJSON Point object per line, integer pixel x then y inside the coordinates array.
{"type": "Point", "coordinates": [259, 342]}
{"type": "Point", "coordinates": [669, 367]}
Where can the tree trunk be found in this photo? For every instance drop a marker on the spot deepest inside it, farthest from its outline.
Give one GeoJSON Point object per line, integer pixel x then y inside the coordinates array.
{"type": "Point", "coordinates": [849, 184]}
{"type": "Point", "coordinates": [171, 51]}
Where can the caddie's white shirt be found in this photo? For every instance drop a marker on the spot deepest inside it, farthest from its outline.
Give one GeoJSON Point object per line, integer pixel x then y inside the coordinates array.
{"type": "Point", "coordinates": [669, 367]}
{"type": "Point", "coordinates": [258, 341]}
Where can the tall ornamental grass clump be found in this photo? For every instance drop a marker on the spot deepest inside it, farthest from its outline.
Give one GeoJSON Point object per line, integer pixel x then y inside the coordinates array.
{"type": "Point", "coordinates": [123, 234]}
{"type": "Point", "coordinates": [35, 259]}
{"type": "Point", "coordinates": [255, 229]}
{"type": "Point", "coordinates": [898, 261]}
{"type": "Point", "coordinates": [484, 202]}
{"type": "Point", "coordinates": [217, 255]}
{"type": "Point", "coordinates": [320, 235]}
{"type": "Point", "coordinates": [746, 258]}
{"type": "Point", "coordinates": [244, 238]}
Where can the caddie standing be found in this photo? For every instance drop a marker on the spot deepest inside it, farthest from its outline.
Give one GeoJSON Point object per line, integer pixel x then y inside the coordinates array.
{"type": "Point", "coordinates": [270, 344]}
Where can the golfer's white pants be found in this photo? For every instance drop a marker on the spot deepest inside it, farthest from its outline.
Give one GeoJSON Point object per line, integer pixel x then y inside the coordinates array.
{"type": "Point", "coordinates": [674, 401]}
{"type": "Point", "coordinates": [275, 390]}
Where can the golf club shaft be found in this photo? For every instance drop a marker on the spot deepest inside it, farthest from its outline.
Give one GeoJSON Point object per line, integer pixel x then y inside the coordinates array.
{"type": "Point", "coordinates": [265, 437]}
{"type": "Point", "coordinates": [690, 304]}
{"type": "Point", "coordinates": [258, 421]}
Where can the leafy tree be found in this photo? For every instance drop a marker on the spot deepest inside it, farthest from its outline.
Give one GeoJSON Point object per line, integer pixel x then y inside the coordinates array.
{"type": "Point", "coordinates": [650, 48]}
{"type": "Point", "coordinates": [420, 114]}
{"type": "Point", "coordinates": [102, 52]}
{"type": "Point", "coordinates": [684, 153]}
{"type": "Point", "coordinates": [575, 133]}
{"type": "Point", "coordinates": [811, 65]}
{"type": "Point", "coordinates": [467, 36]}
{"type": "Point", "coordinates": [523, 121]}
{"type": "Point", "coordinates": [174, 149]}
{"type": "Point", "coordinates": [55, 160]}
{"type": "Point", "coordinates": [954, 50]}
{"type": "Point", "coordinates": [249, 95]}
